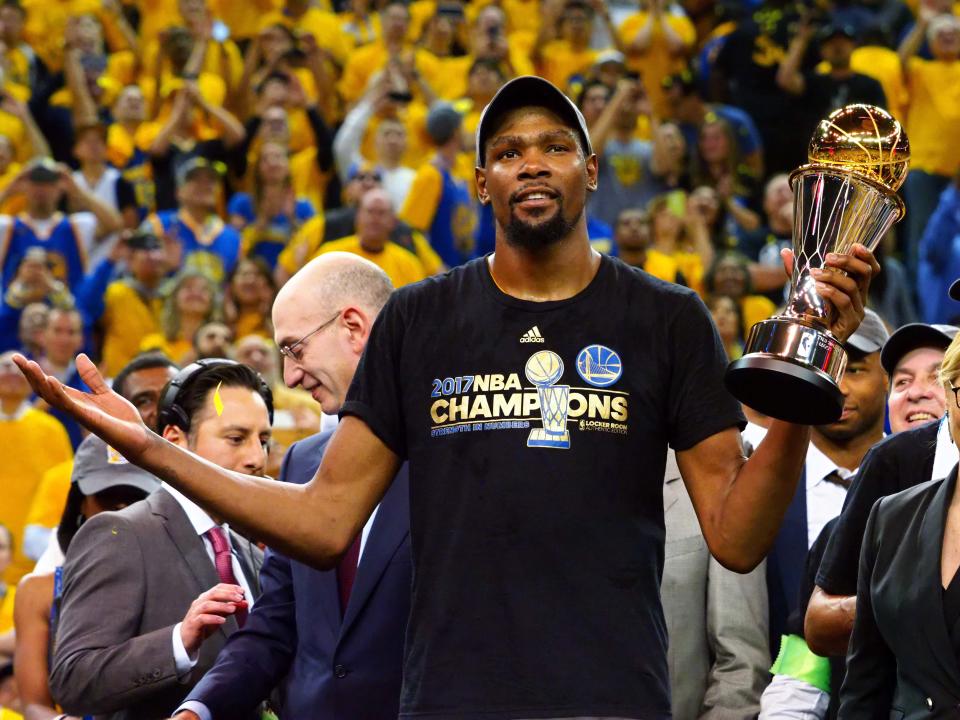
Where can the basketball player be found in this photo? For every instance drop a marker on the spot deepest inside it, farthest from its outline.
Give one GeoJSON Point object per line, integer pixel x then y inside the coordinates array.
{"type": "Point", "coordinates": [534, 392]}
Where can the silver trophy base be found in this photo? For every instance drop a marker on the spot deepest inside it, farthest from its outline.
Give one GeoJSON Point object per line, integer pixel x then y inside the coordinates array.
{"type": "Point", "coordinates": [791, 371]}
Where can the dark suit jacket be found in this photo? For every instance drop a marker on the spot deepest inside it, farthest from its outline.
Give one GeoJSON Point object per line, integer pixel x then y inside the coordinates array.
{"type": "Point", "coordinates": [129, 577]}
{"type": "Point", "coordinates": [348, 669]}
{"type": "Point", "coordinates": [901, 663]}
{"type": "Point", "coordinates": [785, 564]}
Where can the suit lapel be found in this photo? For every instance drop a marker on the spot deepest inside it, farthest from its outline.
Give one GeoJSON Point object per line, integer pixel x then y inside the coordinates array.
{"type": "Point", "coordinates": [190, 546]}
{"type": "Point", "coordinates": [929, 588]}
{"type": "Point", "coordinates": [390, 527]}
{"type": "Point", "coordinates": [244, 551]}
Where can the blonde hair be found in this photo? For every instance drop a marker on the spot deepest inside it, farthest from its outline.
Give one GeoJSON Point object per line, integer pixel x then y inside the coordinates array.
{"type": "Point", "coordinates": [950, 366]}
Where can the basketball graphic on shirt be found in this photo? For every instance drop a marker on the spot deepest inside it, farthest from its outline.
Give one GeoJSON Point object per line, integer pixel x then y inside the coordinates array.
{"type": "Point", "coordinates": [544, 368]}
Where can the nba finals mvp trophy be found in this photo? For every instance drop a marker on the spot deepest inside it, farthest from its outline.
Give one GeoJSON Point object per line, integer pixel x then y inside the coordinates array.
{"type": "Point", "coordinates": [792, 364]}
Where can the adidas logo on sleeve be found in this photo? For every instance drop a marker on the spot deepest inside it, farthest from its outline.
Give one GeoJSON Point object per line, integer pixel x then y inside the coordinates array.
{"type": "Point", "coordinates": [532, 336]}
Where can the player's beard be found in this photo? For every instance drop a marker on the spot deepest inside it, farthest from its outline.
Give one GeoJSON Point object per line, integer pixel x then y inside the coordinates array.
{"type": "Point", "coordinates": [533, 236]}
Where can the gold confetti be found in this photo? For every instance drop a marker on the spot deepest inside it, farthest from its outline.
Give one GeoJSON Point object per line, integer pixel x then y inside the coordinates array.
{"type": "Point", "coordinates": [217, 400]}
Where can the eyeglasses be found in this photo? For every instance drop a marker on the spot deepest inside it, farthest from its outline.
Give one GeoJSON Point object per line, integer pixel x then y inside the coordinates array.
{"type": "Point", "coordinates": [956, 394]}
{"type": "Point", "coordinates": [295, 351]}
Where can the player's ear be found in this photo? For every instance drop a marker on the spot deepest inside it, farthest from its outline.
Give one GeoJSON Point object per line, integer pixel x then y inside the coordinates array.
{"type": "Point", "coordinates": [592, 166]}
{"type": "Point", "coordinates": [481, 177]}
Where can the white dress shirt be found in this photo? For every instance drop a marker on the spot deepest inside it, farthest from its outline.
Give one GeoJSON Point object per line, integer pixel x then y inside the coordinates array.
{"type": "Point", "coordinates": [946, 455]}
{"type": "Point", "coordinates": [824, 498]}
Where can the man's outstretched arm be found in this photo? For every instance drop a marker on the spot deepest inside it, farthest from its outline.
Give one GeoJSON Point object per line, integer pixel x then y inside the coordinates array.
{"type": "Point", "coordinates": [314, 523]}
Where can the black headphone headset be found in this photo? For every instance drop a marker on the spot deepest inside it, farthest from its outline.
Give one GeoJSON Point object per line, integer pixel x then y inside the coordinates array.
{"type": "Point", "coordinates": [169, 412]}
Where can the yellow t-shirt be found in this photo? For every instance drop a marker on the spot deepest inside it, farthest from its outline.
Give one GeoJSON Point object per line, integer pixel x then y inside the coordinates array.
{"type": "Point", "coordinates": [400, 265]}
{"type": "Point", "coordinates": [432, 264]}
{"type": "Point", "coordinates": [661, 265]}
{"type": "Point", "coordinates": [179, 350]}
{"type": "Point", "coordinates": [243, 18]}
{"type": "Point", "coordinates": [883, 65]}
{"type": "Point", "coordinates": [755, 308]}
{"type": "Point", "coordinates": [421, 205]}
{"type": "Point", "coordinates": [691, 265]}
{"type": "Point", "coordinates": [420, 13]}
{"type": "Point", "coordinates": [252, 323]}
{"type": "Point", "coordinates": [50, 498]}
{"type": "Point", "coordinates": [657, 62]}
{"type": "Point", "coordinates": [16, 203]}
{"type": "Point", "coordinates": [366, 61]}
{"type": "Point", "coordinates": [155, 16]}
{"type": "Point", "coordinates": [6, 617]}
{"type": "Point", "coordinates": [303, 245]}
{"type": "Point", "coordinates": [559, 62]}
{"type": "Point", "coordinates": [306, 178]}
{"type": "Point", "coordinates": [47, 19]}
{"type": "Point", "coordinates": [213, 63]}
{"type": "Point", "coordinates": [40, 443]}
{"type": "Point", "coordinates": [360, 32]}
{"type": "Point", "coordinates": [452, 79]}
{"type": "Point", "coordinates": [14, 129]}
{"type": "Point", "coordinates": [17, 79]}
{"type": "Point", "coordinates": [109, 91]}
{"type": "Point", "coordinates": [211, 87]}
{"type": "Point", "coordinates": [933, 117]}
{"type": "Point", "coordinates": [322, 24]}
{"type": "Point", "coordinates": [127, 320]}
{"type": "Point", "coordinates": [419, 147]}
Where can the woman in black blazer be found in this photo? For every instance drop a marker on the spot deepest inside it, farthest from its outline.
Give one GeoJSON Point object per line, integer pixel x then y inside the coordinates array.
{"type": "Point", "coordinates": [904, 655]}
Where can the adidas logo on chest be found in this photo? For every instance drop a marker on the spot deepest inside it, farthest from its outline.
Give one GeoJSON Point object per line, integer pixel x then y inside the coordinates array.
{"type": "Point", "coordinates": [532, 336]}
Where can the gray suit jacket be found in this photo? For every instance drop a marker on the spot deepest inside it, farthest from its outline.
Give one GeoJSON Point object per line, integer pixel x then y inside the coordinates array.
{"type": "Point", "coordinates": [716, 621]}
{"type": "Point", "coordinates": [129, 577]}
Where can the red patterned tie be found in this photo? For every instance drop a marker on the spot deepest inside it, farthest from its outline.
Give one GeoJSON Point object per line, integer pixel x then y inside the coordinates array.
{"type": "Point", "coordinates": [347, 573]}
{"type": "Point", "coordinates": [224, 562]}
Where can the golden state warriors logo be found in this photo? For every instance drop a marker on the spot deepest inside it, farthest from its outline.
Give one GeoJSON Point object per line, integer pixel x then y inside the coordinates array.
{"type": "Point", "coordinates": [599, 366]}
{"type": "Point", "coordinates": [543, 369]}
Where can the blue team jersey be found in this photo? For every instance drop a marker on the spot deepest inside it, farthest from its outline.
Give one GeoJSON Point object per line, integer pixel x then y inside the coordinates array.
{"type": "Point", "coordinates": [212, 248]}
{"type": "Point", "coordinates": [65, 251]}
{"type": "Point", "coordinates": [274, 238]}
{"type": "Point", "coordinates": [451, 233]}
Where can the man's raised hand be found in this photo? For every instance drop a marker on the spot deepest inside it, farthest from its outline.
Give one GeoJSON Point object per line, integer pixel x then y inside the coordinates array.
{"type": "Point", "coordinates": [101, 411]}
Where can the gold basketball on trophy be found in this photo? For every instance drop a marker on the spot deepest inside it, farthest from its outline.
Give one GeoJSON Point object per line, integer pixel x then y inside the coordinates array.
{"type": "Point", "coordinates": [864, 139]}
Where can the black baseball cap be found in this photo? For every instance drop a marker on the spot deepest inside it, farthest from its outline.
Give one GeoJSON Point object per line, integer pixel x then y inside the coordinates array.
{"type": "Point", "coordinates": [44, 171]}
{"type": "Point", "coordinates": [910, 337]}
{"type": "Point", "coordinates": [198, 164]}
{"type": "Point", "coordinates": [529, 91]}
{"type": "Point", "coordinates": [142, 240]}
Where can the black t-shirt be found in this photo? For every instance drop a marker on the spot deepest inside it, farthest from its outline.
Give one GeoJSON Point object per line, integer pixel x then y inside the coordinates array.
{"type": "Point", "coordinates": [894, 464]}
{"type": "Point", "coordinates": [537, 514]}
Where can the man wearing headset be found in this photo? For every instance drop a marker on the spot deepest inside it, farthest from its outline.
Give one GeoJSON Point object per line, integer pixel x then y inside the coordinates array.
{"type": "Point", "coordinates": [152, 592]}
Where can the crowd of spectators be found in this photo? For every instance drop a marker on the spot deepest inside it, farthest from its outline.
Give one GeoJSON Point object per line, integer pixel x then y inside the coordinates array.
{"type": "Point", "coordinates": [167, 165]}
